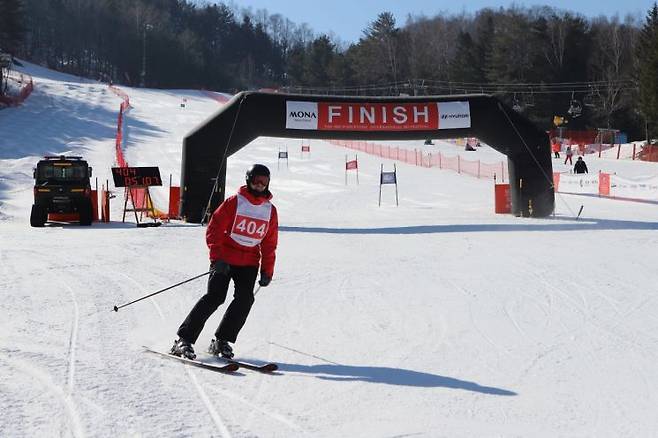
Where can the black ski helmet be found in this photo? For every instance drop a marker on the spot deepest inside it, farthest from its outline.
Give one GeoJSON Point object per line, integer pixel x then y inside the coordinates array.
{"type": "Point", "coordinates": [257, 170]}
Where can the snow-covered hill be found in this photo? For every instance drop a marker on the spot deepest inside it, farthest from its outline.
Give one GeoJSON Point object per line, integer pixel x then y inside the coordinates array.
{"type": "Point", "coordinates": [434, 318]}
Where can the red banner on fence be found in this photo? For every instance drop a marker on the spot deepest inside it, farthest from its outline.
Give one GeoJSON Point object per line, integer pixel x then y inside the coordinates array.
{"type": "Point", "coordinates": [604, 184]}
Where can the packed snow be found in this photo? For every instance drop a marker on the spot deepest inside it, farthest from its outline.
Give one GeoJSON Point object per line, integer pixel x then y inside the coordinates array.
{"type": "Point", "coordinates": [436, 317]}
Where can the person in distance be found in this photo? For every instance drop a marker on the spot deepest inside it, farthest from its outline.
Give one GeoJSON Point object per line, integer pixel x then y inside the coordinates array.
{"type": "Point", "coordinates": [580, 166]}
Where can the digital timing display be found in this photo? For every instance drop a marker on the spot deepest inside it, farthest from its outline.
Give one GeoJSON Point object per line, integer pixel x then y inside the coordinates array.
{"type": "Point", "coordinates": [136, 176]}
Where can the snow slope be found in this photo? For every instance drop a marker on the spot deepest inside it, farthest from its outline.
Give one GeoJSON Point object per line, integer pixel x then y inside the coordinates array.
{"type": "Point", "coordinates": [434, 318]}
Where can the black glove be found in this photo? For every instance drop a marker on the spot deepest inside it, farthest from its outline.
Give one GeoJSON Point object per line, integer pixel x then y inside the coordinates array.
{"type": "Point", "coordinates": [264, 279]}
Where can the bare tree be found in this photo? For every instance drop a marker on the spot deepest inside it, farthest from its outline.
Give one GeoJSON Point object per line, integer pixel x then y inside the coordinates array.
{"type": "Point", "coordinates": [612, 65]}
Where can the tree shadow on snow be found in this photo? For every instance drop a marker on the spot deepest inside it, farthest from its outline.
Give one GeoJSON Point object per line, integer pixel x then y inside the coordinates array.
{"type": "Point", "coordinates": [582, 224]}
{"type": "Point", "coordinates": [390, 376]}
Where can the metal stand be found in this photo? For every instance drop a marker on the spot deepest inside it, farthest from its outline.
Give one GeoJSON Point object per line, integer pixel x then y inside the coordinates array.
{"type": "Point", "coordinates": [146, 207]}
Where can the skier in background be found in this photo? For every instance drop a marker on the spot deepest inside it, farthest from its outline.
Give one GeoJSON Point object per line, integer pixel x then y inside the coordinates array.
{"type": "Point", "coordinates": [569, 154]}
{"type": "Point", "coordinates": [242, 234]}
{"type": "Point", "coordinates": [580, 166]}
{"type": "Point", "coordinates": [556, 146]}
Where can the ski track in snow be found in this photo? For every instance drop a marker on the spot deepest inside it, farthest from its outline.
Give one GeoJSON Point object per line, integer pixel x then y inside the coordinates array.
{"type": "Point", "coordinates": [257, 408]}
{"type": "Point", "coordinates": [254, 405]}
{"type": "Point", "coordinates": [210, 407]}
{"type": "Point", "coordinates": [46, 379]}
{"type": "Point", "coordinates": [214, 414]}
{"type": "Point", "coordinates": [73, 338]}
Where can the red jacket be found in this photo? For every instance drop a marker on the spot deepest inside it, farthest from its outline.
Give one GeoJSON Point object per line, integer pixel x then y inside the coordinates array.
{"type": "Point", "coordinates": [223, 247]}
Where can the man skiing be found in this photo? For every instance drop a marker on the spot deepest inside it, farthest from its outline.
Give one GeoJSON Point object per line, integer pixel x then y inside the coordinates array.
{"type": "Point", "coordinates": [242, 234]}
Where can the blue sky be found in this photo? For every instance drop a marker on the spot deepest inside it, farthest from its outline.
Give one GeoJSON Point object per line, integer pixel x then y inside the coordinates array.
{"type": "Point", "coordinates": [347, 18]}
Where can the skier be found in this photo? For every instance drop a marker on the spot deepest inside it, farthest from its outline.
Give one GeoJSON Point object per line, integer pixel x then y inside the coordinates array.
{"type": "Point", "coordinates": [556, 146]}
{"type": "Point", "coordinates": [569, 154]}
{"type": "Point", "coordinates": [242, 230]}
{"type": "Point", "coordinates": [580, 166]}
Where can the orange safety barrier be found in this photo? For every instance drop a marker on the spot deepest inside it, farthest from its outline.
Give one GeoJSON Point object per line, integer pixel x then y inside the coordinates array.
{"type": "Point", "coordinates": [94, 205]}
{"type": "Point", "coordinates": [503, 202]}
{"type": "Point", "coordinates": [105, 206]}
{"type": "Point", "coordinates": [174, 202]}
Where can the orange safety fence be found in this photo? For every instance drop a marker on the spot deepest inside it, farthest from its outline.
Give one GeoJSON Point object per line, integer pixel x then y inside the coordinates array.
{"type": "Point", "coordinates": [27, 86]}
{"type": "Point", "coordinates": [648, 153]}
{"type": "Point", "coordinates": [421, 158]}
{"type": "Point", "coordinates": [138, 194]}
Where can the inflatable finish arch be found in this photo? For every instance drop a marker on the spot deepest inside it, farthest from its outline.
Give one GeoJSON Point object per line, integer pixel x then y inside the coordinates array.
{"type": "Point", "coordinates": [249, 115]}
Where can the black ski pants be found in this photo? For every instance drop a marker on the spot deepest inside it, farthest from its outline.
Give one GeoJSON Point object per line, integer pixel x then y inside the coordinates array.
{"type": "Point", "coordinates": [244, 278]}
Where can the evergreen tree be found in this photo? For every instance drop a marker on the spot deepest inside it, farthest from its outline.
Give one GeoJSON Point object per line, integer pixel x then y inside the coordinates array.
{"type": "Point", "coordinates": [647, 53]}
{"type": "Point", "coordinates": [467, 64]}
{"type": "Point", "coordinates": [377, 53]}
{"type": "Point", "coordinates": [12, 27]}
{"type": "Point", "coordinates": [319, 62]}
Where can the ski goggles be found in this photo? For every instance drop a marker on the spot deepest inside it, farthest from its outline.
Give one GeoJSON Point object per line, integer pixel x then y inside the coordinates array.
{"type": "Point", "coordinates": [259, 180]}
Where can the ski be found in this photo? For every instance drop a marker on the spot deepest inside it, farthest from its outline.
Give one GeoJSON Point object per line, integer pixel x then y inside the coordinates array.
{"type": "Point", "coordinates": [227, 368]}
{"type": "Point", "coordinates": [265, 368]}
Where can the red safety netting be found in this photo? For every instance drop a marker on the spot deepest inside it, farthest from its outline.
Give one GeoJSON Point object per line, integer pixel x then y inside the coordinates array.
{"type": "Point", "coordinates": [421, 158]}
{"type": "Point", "coordinates": [26, 85]}
{"type": "Point", "coordinates": [138, 195]}
{"type": "Point", "coordinates": [648, 153]}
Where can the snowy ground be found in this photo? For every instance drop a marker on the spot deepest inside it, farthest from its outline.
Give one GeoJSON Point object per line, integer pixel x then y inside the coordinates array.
{"type": "Point", "coordinates": [434, 318]}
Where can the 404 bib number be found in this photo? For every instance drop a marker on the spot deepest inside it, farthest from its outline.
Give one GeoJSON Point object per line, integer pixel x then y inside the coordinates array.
{"type": "Point", "coordinates": [250, 227]}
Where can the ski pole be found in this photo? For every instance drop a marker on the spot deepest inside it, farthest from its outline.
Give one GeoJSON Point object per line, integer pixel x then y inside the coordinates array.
{"type": "Point", "coordinates": [116, 308]}
{"type": "Point", "coordinates": [257, 289]}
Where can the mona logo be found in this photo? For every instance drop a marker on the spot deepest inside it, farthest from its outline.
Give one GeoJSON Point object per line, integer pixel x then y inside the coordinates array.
{"type": "Point", "coordinates": [302, 115]}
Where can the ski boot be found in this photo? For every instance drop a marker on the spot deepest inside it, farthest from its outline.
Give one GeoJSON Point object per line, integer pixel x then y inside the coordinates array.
{"type": "Point", "coordinates": [220, 348]}
{"type": "Point", "coordinates": [183, 348]}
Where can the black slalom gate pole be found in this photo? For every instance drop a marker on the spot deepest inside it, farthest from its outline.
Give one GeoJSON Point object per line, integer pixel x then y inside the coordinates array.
{"type": "Point", "coordinates": [116, 308]}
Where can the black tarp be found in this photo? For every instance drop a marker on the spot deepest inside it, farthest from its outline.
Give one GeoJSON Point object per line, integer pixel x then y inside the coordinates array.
{"type": "Point", "coordinates": [249, 115]}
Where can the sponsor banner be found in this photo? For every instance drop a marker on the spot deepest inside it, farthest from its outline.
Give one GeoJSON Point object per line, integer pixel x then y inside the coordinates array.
{"type": "Point", "coordinates": [579, 183]}
{"type": "Point", "coordinates": [301, 115]}
{"type": "Point", "coordinates": [454, 115]}
{"type": "Point", "coordinates": [350, 165]}
{"type": "Point", "coordinates": [604, 184]}
{"type": "Point", "coordinates": [360, 116]}
{"type": "Point", "coordinates": [646, 189]}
